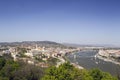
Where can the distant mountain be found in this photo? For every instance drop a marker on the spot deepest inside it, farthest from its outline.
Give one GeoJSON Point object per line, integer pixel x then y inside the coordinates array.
{"type": "Point", "coordinates": [33, 43]}
{"type": "Point", "coordinates": [88, 45]}
{"type": "Point", "coordinates": [54, 44]}
{"type": "Point", "coordinates": [42, 42]}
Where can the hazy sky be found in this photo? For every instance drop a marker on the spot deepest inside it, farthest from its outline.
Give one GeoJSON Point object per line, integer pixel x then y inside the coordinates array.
{"type": "Point", "coordinates": [72, 21]}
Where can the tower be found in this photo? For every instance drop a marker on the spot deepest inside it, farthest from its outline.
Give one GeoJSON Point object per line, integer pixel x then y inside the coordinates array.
{"type": "Point", "coordinates": [36, 46]}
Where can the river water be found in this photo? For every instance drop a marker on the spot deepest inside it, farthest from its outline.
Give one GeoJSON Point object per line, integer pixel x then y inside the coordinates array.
{"type": "Point", "coordinates": [87, 60]}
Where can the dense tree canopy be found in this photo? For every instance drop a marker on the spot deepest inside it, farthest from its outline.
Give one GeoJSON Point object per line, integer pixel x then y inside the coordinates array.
{"type": "Point", "coordinates": [11, 70]}
{"type": "Point", "coordinates": [2, 62]}
{"type": "Point", "coordinates": [99, 75]}
{"type": "Point", "coordinates": [69, 72]}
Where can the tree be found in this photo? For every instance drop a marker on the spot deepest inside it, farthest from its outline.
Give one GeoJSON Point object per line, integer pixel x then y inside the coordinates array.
{"type": "Point", "coordinates": [66, 71]}
{"type": "Point", "coordinates": [107, 76]}
{"type": "Point", "coordinates": [28, 72]}
{"type": "Point", "coordinates": [2, 62]}
{"type": "Point", "coordinates": [4, 78]}
{"type": "Point", "coordinates": [96, 74]}
{"type": "Point", "coordinates": [8, 69]}
{"type": "Point", "coordinates": [99, 75]}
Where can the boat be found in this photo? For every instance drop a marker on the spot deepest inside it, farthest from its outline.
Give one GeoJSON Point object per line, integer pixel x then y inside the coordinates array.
{"type": "Point", "coordinates": [96, 62]}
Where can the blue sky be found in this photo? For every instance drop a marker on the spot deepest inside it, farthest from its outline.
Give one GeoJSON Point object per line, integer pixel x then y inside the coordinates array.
{"type": "Point", "coordinates": [72, 21]}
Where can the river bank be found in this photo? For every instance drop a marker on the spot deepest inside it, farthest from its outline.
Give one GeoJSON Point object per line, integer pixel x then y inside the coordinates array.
{"type": "Point", "coordinates": [87, 60]}
{"type": "Point", "coordinates": [106, 59]}
{"type": "Point", "coordinates": [61, 61]}
{"type": "Point", "coordinates": [64, 59]}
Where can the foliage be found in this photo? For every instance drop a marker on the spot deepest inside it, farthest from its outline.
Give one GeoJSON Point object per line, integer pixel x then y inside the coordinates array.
{"type": "Point", "coordinates": [28, 73]}
{"type": "Point", "coordinates": [12, 70]}
{"type": "Point", "coordinates": [4, 78]}
{"type": "Point", "coordinates": [52, 61]}
{"type": "Point", "coordinates": [66, 72]}
{"type": "Point", "coordinates": [9, 68]}
{"type": "Point", "coordinates": [99, 75]}
{"type": "Point", "coordinates": [21, 52]}
{"type": "Point", "coordinates": [69, 72]}
{"type": "Point", "coordinates": [96, 74]}
{"type": "Point", "coordinates": [2, 62]}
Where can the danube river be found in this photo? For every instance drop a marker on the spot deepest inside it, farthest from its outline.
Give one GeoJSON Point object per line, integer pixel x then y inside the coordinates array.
{"type": "Point", "coordinates": [88, 60]}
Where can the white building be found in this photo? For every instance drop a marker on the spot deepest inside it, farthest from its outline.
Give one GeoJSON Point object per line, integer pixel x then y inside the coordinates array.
{"type": "Point", "coordinates": [104, 53]}
{"type": "Point", "coordinates": [29, 54]}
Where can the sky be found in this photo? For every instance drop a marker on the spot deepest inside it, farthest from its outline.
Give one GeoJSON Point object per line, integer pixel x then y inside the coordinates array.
{"type": "Point", "coordinates": [69, 21]}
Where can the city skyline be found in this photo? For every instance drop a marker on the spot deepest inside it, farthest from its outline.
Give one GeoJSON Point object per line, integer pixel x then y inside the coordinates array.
{"type": "Point", "coordinates": [71, 21]}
